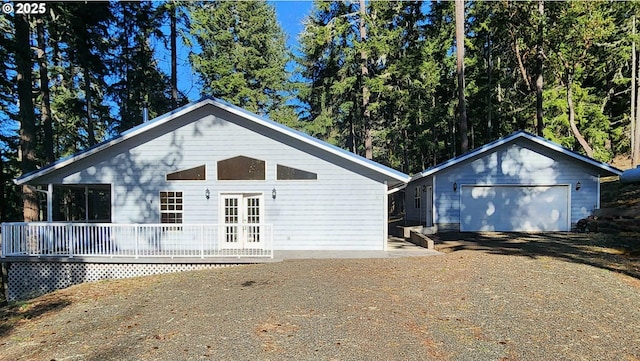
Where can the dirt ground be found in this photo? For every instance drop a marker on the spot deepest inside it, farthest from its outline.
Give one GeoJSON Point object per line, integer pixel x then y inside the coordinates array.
{"type": "Point", "coordinates": [488, 297]}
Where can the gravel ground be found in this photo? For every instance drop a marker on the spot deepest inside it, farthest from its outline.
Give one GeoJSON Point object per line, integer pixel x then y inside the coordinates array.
{"type": "Point", "coordinates": [515, 301]}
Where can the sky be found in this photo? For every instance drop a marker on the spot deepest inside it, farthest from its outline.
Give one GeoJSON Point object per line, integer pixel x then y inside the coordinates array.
{"type": "Point", "coordinates": [289, 13]}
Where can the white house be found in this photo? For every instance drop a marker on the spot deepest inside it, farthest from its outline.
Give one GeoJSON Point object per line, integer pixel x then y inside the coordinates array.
{"type": "Point", "coordinates": [518, 183]}
{"type": "Point", "coordinates": [213, 164]}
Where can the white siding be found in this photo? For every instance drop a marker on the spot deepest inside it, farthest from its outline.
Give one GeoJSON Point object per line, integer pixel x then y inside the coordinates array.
{"type": "Point", "coordinates": [519, 162]}
{"type": "Point", "coordinates": [342, 209]}
{"type": "Point", "coordinates": [413, 214]}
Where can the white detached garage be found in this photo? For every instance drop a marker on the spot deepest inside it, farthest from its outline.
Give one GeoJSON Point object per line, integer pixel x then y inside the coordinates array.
{"type": "Point", "coordinates": [520, 183]}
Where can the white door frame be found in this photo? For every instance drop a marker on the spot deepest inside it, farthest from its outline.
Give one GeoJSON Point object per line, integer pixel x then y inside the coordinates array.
{"type": "Point", "coordinates": [426, 206]}
{"type": "Point", "coordinates": [243, 211]}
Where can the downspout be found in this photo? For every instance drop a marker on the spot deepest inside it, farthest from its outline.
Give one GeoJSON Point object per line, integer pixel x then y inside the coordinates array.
{"type": "Point", "coordinates": [385, 227]}
{"type": "Point", "coordinates": [434, 215]}
{"type": "Point", "coordinates": [598, 199]}
{"type": "Point", "coordinates": [50, 203]}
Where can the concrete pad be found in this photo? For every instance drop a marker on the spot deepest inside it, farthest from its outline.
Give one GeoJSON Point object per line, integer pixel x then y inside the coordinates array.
{"type": "Point", "coordinates": [396, 247]}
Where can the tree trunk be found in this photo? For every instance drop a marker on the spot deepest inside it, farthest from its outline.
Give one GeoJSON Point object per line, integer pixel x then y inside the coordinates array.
{"type": "Point", "coordinates": [3, 192]}
{"type": "Point", "coordinates": [27, 153]}
{"type": "Point", "coordinates": [87, 94]}
{"type": "Point", "coordinates": [44, 93]}
{"type": "Point", "coordinates": [632, 113]}
{"type": "Point", "coordinates": [540, 66]}
{"type": "Point", "coordinates": [364, 73]}
{"type": "Point", "coordinates": [464, 142]}
{"type": "Point", "coordinates": [636, 129]}
{"type": "Point", "coordinates": [490, 92]}
{"type": "Point", "coordinates": [351, 137]}
{"type": "Point", "coordinates": [174, 57]}
{"type": "Point", "coordinates": [572, 117]}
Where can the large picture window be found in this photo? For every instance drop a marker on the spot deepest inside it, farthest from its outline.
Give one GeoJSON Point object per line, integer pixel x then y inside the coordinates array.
{"type": "Point", "coordinates": [81, 203]}
{"type": "Point", "coordinates": [241, 168]}
{"type": "Point", "coordinates": [171, 207]}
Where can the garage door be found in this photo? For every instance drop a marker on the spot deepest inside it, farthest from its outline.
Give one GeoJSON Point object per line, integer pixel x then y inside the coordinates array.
{"type": "Point", "coordinates": [514, 208]}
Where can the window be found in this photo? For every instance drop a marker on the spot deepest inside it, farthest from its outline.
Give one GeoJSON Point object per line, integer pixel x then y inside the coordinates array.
{"type": "Point", "coordinates": [170, 207]}
{"type": "Point", "coordinates": [241, 168]}
{"type": "Point", "coordinates": [81, 203]}
{"type": "Point", "coordinates": [197, 173]}
{"type": "Point", "coordinates": [416, 200]}
{"type": "Point", "coordinates": [288, 173]}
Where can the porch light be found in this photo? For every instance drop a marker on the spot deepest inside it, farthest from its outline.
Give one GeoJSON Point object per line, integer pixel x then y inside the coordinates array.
{"type": "Point", "coordinates": [578, 186]}
{"type": "Point", "coordinates": [207, 193]}
{"type": "Point", "coordinates": [455, 186]}
{"type": "Point", "coordinates": [273, 193]}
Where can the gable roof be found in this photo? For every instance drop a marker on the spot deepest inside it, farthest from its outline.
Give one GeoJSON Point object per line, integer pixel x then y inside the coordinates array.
{"type": "Point", "coordinates": [389, 174]}
{"type": "Point", "coordinates": [608, 169]}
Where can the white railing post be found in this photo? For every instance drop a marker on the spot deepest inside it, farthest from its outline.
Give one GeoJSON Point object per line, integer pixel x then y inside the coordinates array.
{"type": "Point", "coordinates": [136, 237]}
{"type": "Point", "coordinates": [202, 241]}
{"type": "Point", "coordinates": [41, 239]}
{"type": "Point", "coordinates": [70, 239]}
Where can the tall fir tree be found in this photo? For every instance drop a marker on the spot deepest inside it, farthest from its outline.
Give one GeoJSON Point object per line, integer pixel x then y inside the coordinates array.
{"type": "Point", "coordinates": [241, 55]}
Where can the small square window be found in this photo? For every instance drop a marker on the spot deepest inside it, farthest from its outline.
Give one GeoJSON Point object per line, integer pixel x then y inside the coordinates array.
{"type": "Point", "coordinates": [170, 207]}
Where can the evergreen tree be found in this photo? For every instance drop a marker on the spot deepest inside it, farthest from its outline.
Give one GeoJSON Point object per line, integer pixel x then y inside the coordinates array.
{"type": "Point", "coordinates": [242, 54]}
{"type": "Point", "coordinates": [79, 36]}
{"type": "Point", "coordinates": [141, 86]}
{"type": "Point", "coordinates": [26, 116]}
{"type": "Point", "coordinates": [10, 194]}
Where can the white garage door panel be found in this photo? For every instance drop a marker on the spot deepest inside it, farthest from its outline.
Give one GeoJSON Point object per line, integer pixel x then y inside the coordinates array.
{"type": "Point", "coordinates": [514, 208]}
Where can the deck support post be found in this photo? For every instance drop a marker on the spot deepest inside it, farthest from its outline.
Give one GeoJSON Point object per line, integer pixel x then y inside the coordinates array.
{"type": "Point", "coordinates": [50, 203]}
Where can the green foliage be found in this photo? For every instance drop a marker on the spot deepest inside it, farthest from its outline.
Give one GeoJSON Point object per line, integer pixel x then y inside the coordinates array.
{"type": "Point", "coordinates": [410, 49]}
{"type": "Point", "coordinates": [141, 84]}
{"type": "Point", "coordinates": [242, 54]}
{"type": "Point", "coordinates": [103, 68]}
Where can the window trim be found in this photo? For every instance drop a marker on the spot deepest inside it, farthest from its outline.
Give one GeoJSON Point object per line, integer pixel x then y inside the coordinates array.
{"type": "Point", "coordinates": [187, 180]}
{"type": "Point", "coordinates": [266, 172]}
{"type": "Point", "coordinates": [293, 180]}
{"type": "Point", "coordinates": [161, 211]}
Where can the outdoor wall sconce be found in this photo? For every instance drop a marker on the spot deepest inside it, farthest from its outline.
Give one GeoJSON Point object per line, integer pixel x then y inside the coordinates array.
{"type": "Point", "coordinates": [455, 186]}
{"type": "Point", "coordinates": [207, 194]}
{"type": "Point", "coordinates": [578, 186]}
{"type": "Point", "coordinates": [273, 193]}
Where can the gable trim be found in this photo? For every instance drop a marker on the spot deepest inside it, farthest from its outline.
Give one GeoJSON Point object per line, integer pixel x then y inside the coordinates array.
{"type": "Point", "coordinates": [519, 134]}
{"type": "Point", "coordinates": [158, 121]}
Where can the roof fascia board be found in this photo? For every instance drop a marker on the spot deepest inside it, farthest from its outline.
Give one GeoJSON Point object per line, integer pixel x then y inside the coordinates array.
{"type": "Point", "coordinates": [379, 168]}
{"type": "Point", "coordinates": [501, 141]}
{"type": "Point", "coordinates": [104, 145]}
{"type": "Point", "coordinates": [313, 141]}
{"type": "Point", "coordinates": [563, 150]}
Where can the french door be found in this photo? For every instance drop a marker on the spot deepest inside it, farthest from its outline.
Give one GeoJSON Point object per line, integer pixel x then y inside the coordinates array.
{"type": "Point", "coordinates": [241, 217]}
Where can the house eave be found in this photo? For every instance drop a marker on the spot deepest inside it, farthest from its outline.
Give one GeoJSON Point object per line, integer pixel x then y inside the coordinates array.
{"type": "Point", "coordinates": [389, 175]}
{"type": "Point", "coordinates": [610, 170]}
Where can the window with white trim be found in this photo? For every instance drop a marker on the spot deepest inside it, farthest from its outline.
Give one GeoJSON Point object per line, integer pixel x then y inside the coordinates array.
{"type": "Point", "coordinates": [241, 168]}
{"type": "Point", "coordinates": [171, 207]}
{"type": "Point", "coordinates": [417, 198]}
{"type": "Point", "coordinates": [195, 173]}
{"type": "Point", "coordinates": [289, 173]}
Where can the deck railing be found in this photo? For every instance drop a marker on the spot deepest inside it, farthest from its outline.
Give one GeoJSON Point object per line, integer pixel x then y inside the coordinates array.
{"type": "Point", "coordinates": [43, 239]}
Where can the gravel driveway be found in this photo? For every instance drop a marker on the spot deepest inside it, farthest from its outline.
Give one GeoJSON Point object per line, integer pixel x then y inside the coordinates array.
{"type": "Point", "coordinates": [516, 301]}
